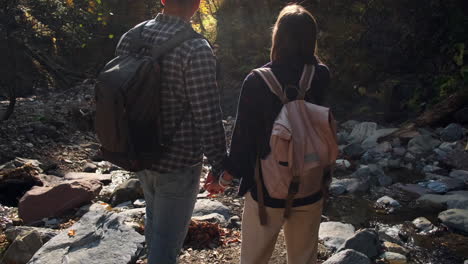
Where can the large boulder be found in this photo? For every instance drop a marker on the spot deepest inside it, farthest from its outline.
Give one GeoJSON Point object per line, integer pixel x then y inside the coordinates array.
{"type": "Point", "coordinates": [451, 200]}
{"type": "Point", "coordinates": [100, 237]}
{"type": "Point", "coordinates": [23, 248]}
{"type": "Point", "coordinates": [373, 174]}
{"type": "Point", "coordinates": [371, 141]}
{"type": "Point", "coordinates": [104, 178]}
{"type": "Point", "coordinates": [362, 131]}
{"type": "Point", "coordinates": [334, 234]}
{"type": "Point", "coordinates": [452, 132]}
{"type": "Point", "coordinates": [422, 144]}
{"type": "Point", "coordinates": [365, 241]}
{"type": "Point", "coordinates": [456, 219]}
{"type": "Point", "coordinates": [44, 202]}
{"type": "Point", "coordinates": [130, 190]}
{"type": "Point", "coordinates": [348, 256]}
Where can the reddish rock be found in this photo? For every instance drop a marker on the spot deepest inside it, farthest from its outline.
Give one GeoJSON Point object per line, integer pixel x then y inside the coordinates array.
{"type": "Point", "coordinates": [45, 202]}
{"type": "Point", "coordinates": [104, 178]}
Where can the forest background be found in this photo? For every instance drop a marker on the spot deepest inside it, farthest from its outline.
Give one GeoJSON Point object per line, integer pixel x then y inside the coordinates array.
{"type": "Point", "coordinates": [389, 59]}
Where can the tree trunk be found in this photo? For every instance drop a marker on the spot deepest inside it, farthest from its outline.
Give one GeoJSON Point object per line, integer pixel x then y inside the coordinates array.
{"type": "Point", "coordinates": [439, 114]}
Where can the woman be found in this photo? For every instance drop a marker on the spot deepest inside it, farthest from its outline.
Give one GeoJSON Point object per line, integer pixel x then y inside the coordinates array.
{"type": "Point", "coordinates": [293, 46]}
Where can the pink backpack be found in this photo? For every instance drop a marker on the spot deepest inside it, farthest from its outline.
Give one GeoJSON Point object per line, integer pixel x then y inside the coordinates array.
{"type": "Point", "coordinates": [303, 142]}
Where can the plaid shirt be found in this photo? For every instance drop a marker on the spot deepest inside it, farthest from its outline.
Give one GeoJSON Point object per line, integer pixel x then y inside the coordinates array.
{"type": "Point", "coordinates": [188, 79]}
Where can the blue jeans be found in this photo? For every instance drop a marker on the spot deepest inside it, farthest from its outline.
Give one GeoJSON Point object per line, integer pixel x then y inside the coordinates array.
{"type": "Point", "coordinates": [170, 199]}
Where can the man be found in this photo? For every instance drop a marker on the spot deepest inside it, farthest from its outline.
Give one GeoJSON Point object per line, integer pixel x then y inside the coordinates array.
{"type": "Point", "coordinates": [189, 90]}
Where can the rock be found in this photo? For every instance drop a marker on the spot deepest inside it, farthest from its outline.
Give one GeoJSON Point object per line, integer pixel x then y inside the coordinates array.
{"type": "Point", "coordinates": [337, 188]}
{"type": "Point", "coordinates": [90, 167]}
{"type": "Point", "coordinates": [130, 190]}
{"type": "Point", "coordinates": [399, 151]}
{"type": "Point", "coordinates": [456, 219]}
{"type": "Point", "coordinates": [334, 234]}
{"type": "Point", "coordinates": [431, 169]}
{"type": "Point", "coordinates": [234, 222]}
{"type": "Point", "coordinates": [44, 202]}
{"type": "Point", "coordinates": [435, 186]}
{"type": "Point", "coordinates": [140, 203]}
{"type": "Point", "coordinates": [394, 258]}
{"type": "Point", "coordinates": [23, 248]}
{"type": "Point", "coordinates": [365, 241]}
{"type": "Point", "coordinates": [349, 125]}
{"type": "Point", "coordinates": [20, 162]}
{"type": "Point", "coordinates": [391, 234]}
{"type": "Point", "coordinates": [459, 174]}
{"type": "Point", "coordinates": [212, 218]}
{"type": "Point", "coordinates": [443, 184]}
{"type": "Point", "coordinates": [422, 144]}
{"type": "Point", "coordinates": [373, 174]}
{"type": "Point", "coordinates": [348, 256]}
{"type": "Point", "coordinates": [371, 141]}
{"type": "Point", "coordinates": [17, 231]}
{"type": "Point", "coordinates": [458, 159]}
{"type": "Point", "coordinates": [384, 147]}
{"type": "Point", "coordinates": [388, 201]}
{"type": "Point", "coordinates": [342, 137]}
{"type": "Point", "coordinates": [461, 116]}
{"type": "Point", "coordinates": [350, 185]}
{"type": "Point", "coordinates": [124, 205]}
{"type": "Point", "coordinates": [206, 207]}
{"type": "Point", "coordinates": [104, 178]}
{"type": "Point", "coordinates": [353, 150]}
{"type": "Point", "coordinates": [413, 189]}
{"type": "Point", "coordinates": [50, 180]}
{"type": "Point", "coordinates": [394, 163]}
{"type": "Point", "coordinates": [362, 131]}
{"type": "Point", "coordinates": [452, 132]}
{"type": "Point", "coordinates": [342, 164]}
{"type": "Point", "coordinates": [395, 248]}
{"type": "Point", "coordinates": [423, 224]}
{"type": "Point", "coordinates": [99, 237]}
{"type": "Point", "coordinates": [117, 178]}
{"type": "Point", "coordinates": [448, 146]}
{"type": "Point", "coordinates": [451, 200]}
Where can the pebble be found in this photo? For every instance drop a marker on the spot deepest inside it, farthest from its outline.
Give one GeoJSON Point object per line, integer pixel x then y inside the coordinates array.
{"type": "Point", "coordinates": [392, 247]}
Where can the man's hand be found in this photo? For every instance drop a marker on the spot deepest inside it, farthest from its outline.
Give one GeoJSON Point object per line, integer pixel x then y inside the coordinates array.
{"type": "Point", "coordinates": [212, 186]}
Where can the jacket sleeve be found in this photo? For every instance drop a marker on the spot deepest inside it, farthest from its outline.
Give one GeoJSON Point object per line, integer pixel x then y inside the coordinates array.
{"type": "Point", "coordinates": [243, 150]}
{"type": "Point", "coordinates": [202, 91]}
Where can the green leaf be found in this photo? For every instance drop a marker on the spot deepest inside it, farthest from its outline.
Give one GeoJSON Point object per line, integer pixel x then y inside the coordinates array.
{"type": "Point", "coordinates": [464, 71]}
{"type": "Point", "coordinates": [460, 52]}
{"type": "Point", "coordinates": [98, 1]}
{"type": "Point", "coordinates": [111, 36]}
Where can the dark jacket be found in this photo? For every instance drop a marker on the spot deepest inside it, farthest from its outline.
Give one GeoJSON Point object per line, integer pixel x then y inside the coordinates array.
{"type": "Point", "coordinates": [257, 110]}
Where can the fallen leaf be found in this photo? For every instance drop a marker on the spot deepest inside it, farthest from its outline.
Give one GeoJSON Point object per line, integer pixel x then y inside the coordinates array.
{"type": "Point", "coordinates": [72, 233]}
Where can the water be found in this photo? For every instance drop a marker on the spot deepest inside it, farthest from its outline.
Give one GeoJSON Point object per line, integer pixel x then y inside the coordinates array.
{"type": "Point", "coordinates": [442, 247]}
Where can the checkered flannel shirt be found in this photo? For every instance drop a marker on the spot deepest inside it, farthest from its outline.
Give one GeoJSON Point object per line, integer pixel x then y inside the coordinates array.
{"type": "Point", "coordinates": [188, 79]}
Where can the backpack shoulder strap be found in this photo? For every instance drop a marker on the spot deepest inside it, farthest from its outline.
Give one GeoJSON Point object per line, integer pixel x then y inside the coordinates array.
{"type": "Point", "coordinates": [306, 80]}
{"type": "Point", "coordinates": [272, 83]}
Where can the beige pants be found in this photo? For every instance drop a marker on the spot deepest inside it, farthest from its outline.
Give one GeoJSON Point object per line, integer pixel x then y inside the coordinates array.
{"type": "Point", "coordinates": [300, 231]}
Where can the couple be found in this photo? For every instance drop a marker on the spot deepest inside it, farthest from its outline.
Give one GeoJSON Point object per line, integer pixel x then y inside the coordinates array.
{"type": "Point", "coordinates": [189, 77]}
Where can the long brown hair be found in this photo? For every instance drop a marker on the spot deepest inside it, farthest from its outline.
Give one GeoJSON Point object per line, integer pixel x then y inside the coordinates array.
{"type": "Point", "coordinates": [294, 36]}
